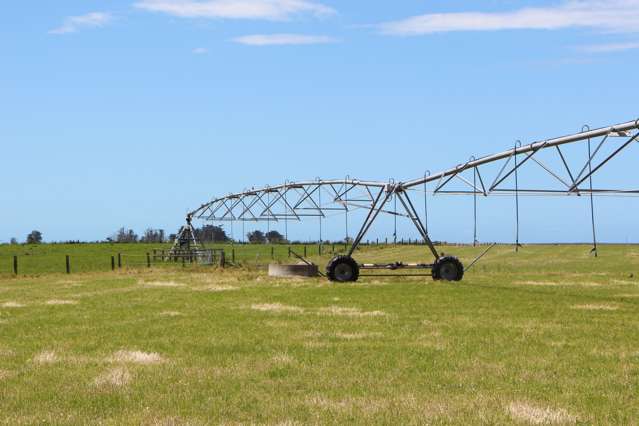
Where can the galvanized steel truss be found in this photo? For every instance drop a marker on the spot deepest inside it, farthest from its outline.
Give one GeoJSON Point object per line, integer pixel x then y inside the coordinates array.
{"type": "Point", "coordinates": [321, 198]}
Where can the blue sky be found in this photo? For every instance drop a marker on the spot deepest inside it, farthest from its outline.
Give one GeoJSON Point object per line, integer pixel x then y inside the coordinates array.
{"type": "Point", "coordinates": [130, 113]}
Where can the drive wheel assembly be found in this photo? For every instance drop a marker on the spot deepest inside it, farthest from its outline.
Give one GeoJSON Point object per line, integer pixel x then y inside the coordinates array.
{"type": "Point", "coordinates": [448, 268]}
{"type": "Point", "coordinates": [342, 269]}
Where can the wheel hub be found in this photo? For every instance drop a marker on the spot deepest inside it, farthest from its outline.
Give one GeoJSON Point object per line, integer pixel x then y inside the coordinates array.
{"type": "Point", "coordinates": [343, 272]}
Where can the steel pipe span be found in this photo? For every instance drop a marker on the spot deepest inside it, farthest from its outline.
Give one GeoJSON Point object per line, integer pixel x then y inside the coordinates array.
{"type": "Point", "coordinates": [621, 129]}
{"type": "Point", "coordinates": [297, 200]}
{"type": "Point", "coordinates": [548, 143]}
{"type": "Point", "coordinates": [340, 187]}
{"type": "Point", "coordinates": [617, 129]}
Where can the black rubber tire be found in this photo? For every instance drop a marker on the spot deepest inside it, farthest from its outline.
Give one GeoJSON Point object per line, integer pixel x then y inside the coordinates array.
{"type": "Point", "coordinates": [448, 268]}
{"type": "Point", "coordinates": [342, 269]}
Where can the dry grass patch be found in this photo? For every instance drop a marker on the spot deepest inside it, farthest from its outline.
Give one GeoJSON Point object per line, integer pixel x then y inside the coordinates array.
{"type": "Point", "coordinates": [171, 421]}
{"type": "Point", "coordinates": [54, 302]}
{"type": "Point", "coordinates": [623, 282]}
{"type": "Point", "coordinates": [349, 312]}
{"type": "Point", "coordinates": [372, 407]}
{"type": "Point", "coordinates": [114, 378]}
{"type": "Point", "coordinates": [161, 284]}
{"type": "Point", "coordinates": [13, 305]}
{"type": "Point", "coordinates": [558, 284]}
{"type": "Point", "coordinates": [532, 414]}
{"type": "Point", "coordinates": [6, 352]}
{"type": "Point", "coordinates": [595, 307]}
{"type": "Point", "coordinates": [276, 307]}
{"type": "Point", "coordinates": [46, 357]}
{"type": "Point", "coordinates": [357, 336]}
{"type": "Point", "coordinates": [314, 344]}
{"type": "Point", "coordinates": [171, 314]}
{"type": "Point", "coordinates": [283, 359]}
{"type": "Point", "coordinates": [5, 374]}
{"type": "Point", "coordinates": [216, 288]}
{"type": "Point", "coordinates": [137, 357]}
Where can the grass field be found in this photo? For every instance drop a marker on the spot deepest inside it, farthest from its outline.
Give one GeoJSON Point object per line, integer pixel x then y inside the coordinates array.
{"type": "Point", "coordinates": [50, 258]}
{"type": "Point", "coordinates": [545, 336]}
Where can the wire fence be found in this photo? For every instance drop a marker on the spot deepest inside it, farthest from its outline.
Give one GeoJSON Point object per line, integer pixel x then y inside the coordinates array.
{"type": "Point", "coordinates": [52, 259]}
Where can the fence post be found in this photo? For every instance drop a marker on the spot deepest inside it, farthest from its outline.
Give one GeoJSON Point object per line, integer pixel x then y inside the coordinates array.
{"type": "Point", "coordinates": [119, 260]}
{"type": "Point", "coordinates": [15, 265]}
{"type": "Point", "coordinates": [148, 260]}
{"type": "Point", "coordinates": [183, 261]}
{"type": "Point", "coordinates": [304, 251]}
{"type": "Point", "coordinates": [319, 249]}
{"type": "Point", "coordinates": [68, 264]}
{"type": "Point", "coordinates": [233, 255]}
{"type": "Point", "coordinates": [289, 251]}
{"type": "Point", "coordinates": [333, 248]}
{"type": "Point", "coordinates": [272, 252]}
{"type": "Point", "coordinates": [222, 259]}
{"type": "Point", "coordinates": [113, 263]}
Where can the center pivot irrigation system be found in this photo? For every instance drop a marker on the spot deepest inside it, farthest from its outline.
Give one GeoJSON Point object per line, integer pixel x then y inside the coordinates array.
{"type": "Point", "coordinates": [294, 201]}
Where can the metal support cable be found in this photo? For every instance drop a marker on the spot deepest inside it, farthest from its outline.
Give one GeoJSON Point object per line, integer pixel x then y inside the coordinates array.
{"type": "Point", "coordinates": [395, 219]}
{"type": "Point", "coordinates": [426, 174]}
{"type": "Point", "coordinates": [517, 144]}
{"type": "Point", "coordinates": [346, 209]}
{"type": "Point", "coordinates": [285, 214]}
{"type": "Point", "coordinates": [268, 218]}
{"type": "Point", "coordinates": [592, 201]}
{"type": "Point", "coordinates": [319, 201]}
{"type": "Point", "coordinates": [474, 204]}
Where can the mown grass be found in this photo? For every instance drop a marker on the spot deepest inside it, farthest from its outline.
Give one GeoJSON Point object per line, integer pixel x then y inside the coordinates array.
{"type": "Point", "coordinates": [548, 335]}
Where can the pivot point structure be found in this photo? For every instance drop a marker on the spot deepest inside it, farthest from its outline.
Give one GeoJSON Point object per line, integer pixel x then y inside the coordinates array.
{"type": "Point", "coordinates": [307, 199]}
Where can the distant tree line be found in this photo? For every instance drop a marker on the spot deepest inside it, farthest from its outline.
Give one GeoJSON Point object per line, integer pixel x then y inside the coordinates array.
{"type": "Point", "coordinates": [205, 234]}
{"type": "Point", "coordinates": [211, 234]}
{"type": "Point", "coordinates": [259, 237]}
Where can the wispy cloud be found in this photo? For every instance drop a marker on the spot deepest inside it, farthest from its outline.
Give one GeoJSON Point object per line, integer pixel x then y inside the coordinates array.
{"type": "Point", "coordinates": [200, 51]}
{"type": "Point", "coordinates": [282, 39]}
{"type": "Point", "coordinates": [607, 48]}
{"type": "Point", "coordinates": [74, 24]}
{"type": "Point", "coordinates": [274, 10]}
{"type": "Point", "coordinates": [606, 15]}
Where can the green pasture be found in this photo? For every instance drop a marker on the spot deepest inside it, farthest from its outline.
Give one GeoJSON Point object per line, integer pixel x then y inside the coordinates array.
{"type": "Point", "coordinates": [548, 335]}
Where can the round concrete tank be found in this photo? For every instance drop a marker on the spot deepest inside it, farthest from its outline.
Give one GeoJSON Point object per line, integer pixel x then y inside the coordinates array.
{"type": "Point", "coordinates": [303, 270]}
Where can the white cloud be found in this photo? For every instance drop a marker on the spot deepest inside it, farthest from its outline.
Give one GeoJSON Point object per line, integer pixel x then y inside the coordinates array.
{"type": "Point", "coordinates": [274, 10]}
{"type": "Point", "coordinates": [611, 47]}
{"type": "Point", "coordinates": [282, 39]}
{"type": "Point", "coordinates": [606, 15]}
{"type": "Point", "coordinates": [200, 51]}
{"type": "Point", "coordinates": [73, 24]}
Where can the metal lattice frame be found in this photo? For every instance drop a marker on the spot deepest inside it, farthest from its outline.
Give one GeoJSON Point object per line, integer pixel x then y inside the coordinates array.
{"type": "Point", "coordinates": [299, 200]}
{"type": "Point", "coordinates": [573, 183]}
{"type": "Point", "coordinates": [291, 201]}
